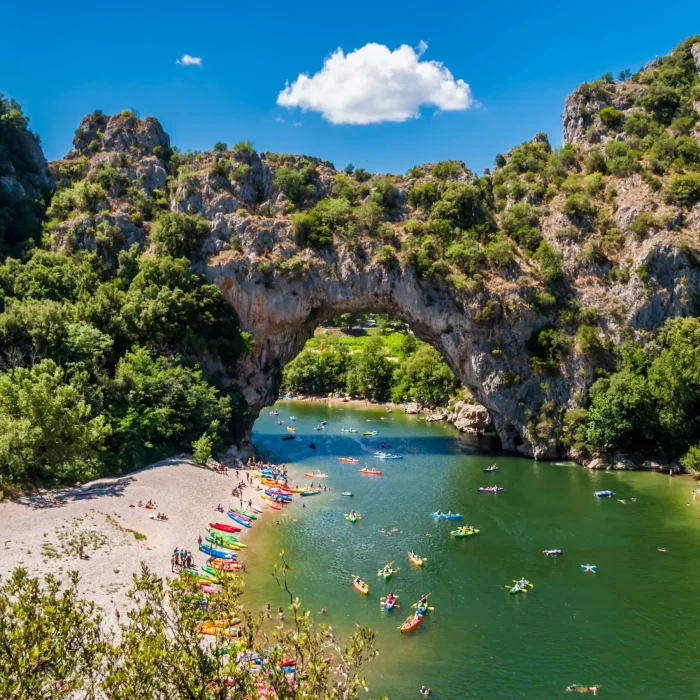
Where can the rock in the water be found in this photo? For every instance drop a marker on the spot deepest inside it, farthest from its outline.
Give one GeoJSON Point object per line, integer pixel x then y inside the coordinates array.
{"type": "Point", "coordinates": [412, 408]}
{"type": "Point", "coordinates": [470, 418]}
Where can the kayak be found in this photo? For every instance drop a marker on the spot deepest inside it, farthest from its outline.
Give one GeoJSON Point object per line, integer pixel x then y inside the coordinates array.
{"type": "Point", "coordinates": [353, 518]}
{"type": "Point", "coordinates": [349, 460]}
{"type": "Point", "coordinates": [318, 475]}
{"type": "Point", "coordinates": [411, 623]}
{"type": "Point", "coordinates": [215, 572]}
{"type": "Point", "coordinates": [490, 489]}
{"type": "Point", "coordinates": [370, 432]}
{"type": "Point", "coordinates": [465, 533]}
{"type": "Point", "coordinates": [604, 494]}
{"type": "Point", "coordinates": [248, 514]}
{"type": "Point", "coordinates": [386, 574]}
{"type": "Point", "coordinates": [257, 508]}
{"type": "Point", "coordinates": [519, 587]}
{"type": "Point", "coordinates": [289, 437]}
{"type": "Point", "coordinates": [421, 609]}
{"type": "Point", "coordinates": [390, 604]}
{"type": "Point", "coordinates": [225, 528]}
{"type": "Point", "coordinates": [552, 552]}
{"type": "Point", "coordinates": [347, 493]}
{"type": "Point", "coordinates": [213, 629]}
{"type": "Point", "coordinates": [216, 552]}
{"type": "Point", "coordinates": [224, 535]}
{"type": "Point", "coordinates": [218, 542]}
{"type": "Point", "coordinates": [362, 587]}
{"type": "Point", "coordinates": [348, 430]}
{"type": "Point", "coordinates": [310, 493]}
{"type": "Point", "coordinates": [415, 559]}
{"type": "Point", "coordinates": [370, 471]}
{"type": "Point", "coordinates": [385, 455]}
{"type": "Point", "coordinates": [221, 565]}
{"type": "Point", "coordinates": [446, 516]}
{"type": "Point", "coordinates": [239, 519]}
{"type": "Point", "coordinates": [493, 468]}
{"type": "Point", "coordinates": [291, 429]}
{"type": "Point", "coordinates": [275, 493]}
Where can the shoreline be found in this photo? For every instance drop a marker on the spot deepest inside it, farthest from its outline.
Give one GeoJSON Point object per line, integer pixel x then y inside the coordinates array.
{"type": "Point", "coordinates": [41, 531]}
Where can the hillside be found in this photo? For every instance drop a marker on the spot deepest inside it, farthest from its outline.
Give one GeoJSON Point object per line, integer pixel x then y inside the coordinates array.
{"type": "Point", "coordinates": [529, 279]}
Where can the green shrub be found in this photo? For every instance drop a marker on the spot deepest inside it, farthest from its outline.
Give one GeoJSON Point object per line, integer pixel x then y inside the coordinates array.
{"type": "Point", "coordinates": [467, 255]}
{"type": "Point", "coordinates": [642, 224]}
{"type": "Point", "coordinates": [386, 256]}
{"type": "Point", "coordinates": [243, 148]}
{"type": "Point", "coordinates": [296, 184]}
{"type": "Point", "coordinates": [578, 206]}
{"type": "Point", "coordinates": [423, 196]}
{"type": "Point", "coordinates": [611, 117]}
{"type": "Point", "coordinates": [487, 313]}
{"type": "Point", "coordinates": [588, 341]}
{"type": "Point", "coordinates": [220, 146]}
{"type": "Point", "coordinates": [691, 459]}
{"type": "Point", "coordinates": [500, 253]}
{"type": "Point", "coordinates": [179, 235]}
{"type": "Point", "coordinates": [550, 260]}
{"type": "Point", "coordinates": [447, 170]}
{"type": "Point", "coordinates": [548, 347]}
{"type": "Point", "coordinates": [683, 189]}
{"type": "Point", "coordinates": [310, 232]}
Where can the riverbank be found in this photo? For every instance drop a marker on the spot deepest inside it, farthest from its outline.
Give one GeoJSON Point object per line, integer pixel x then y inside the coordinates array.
{"type": "Point", "coordinates": [41, 532]}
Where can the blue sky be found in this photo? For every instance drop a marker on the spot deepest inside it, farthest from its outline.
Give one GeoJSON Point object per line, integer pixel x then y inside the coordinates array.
{"type": "Point", "coordinates": [63, 60]}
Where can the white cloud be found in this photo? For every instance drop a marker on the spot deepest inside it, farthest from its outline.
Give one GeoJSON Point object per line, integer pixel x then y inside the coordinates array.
{"type": "Point", "coordinates": [279, 119]}
{"type": "Point", "coordinates": [373, 84]}
{"type": "Point", "coordinates": [188, 60]}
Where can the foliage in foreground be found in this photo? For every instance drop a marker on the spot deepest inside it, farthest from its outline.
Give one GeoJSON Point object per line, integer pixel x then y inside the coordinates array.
{"type": "Point", "coordinates": [54, 644]}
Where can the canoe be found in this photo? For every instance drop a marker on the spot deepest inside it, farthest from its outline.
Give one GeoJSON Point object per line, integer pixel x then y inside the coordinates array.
{"type": "Point", "coordinates": [389, 605]}
{"type": "Point", "coordinates": [225, 528]}
{"type": "Point", "coordinates": [289, 437]}
{"type": "Point", "coordinates": [275, 493]}
{"type": "Point", "coordinates": [216, 552]}
{"type": "Point", "coordinates": [347, 493]}
{"type": "Point", "coordinates": [310, 493]}
{"type": "Point", "coordinates": [411, 623]}
{"type": "Point", "coordinates": [446, 516]}
{"type": "Point", "coordinates": [370, 432]}
{"type": "Point", "coordinates": [386, 575]}
{"type": "Point", "coordinates": [604, 494]}
{"type": "Point", "coordinates": [349, 460]}
{"type": "Point", "coordinates": [318, 475]}
{"type": "Point", "coordinates": [353, 518]}
{"type": "Point", "coordinates": [239, 519]}
{"type": "Point", "coordinates": [348, 430]}
{"type": "Point", "coordinates": [490, 489]}
{"type": "Point", "coordinates": [465, 533]}
{"type": "Point", "coordinates": [415, 559]}
{"type": "Point", "coordinates": [494, 468]}
{"type": "Point", "coordinates": [362, 587]}
{"type": "Point", "coordinates": [291, 429]}
{"type": "Point", "coordinates": [370, 471]}
{"type": "Point", "coordinates": [387, 456]}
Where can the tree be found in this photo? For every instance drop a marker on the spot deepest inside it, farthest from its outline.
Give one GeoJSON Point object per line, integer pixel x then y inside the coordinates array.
{"type": "Point", "coordinates": [201, 449]}
{"type": "Point", "coordinates": [370, 374]}
{"type": "Point", "coordinates": [50, 640]}
{"type": "Point", "coordinates": [296, 184]}
{"type": "Point", "coordinates": [426, 378]}
{"type": "Point", "coordinates": [623, 415]}
{"type": "Point", "coordinates": [51, 645]}
{"type": "Point", "coordinates": [48, 427]}
{"type": "Point", "coordinates": [179, 235]}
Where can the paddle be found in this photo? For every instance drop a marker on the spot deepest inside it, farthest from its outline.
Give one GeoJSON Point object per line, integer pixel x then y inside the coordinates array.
{"type": "Point", "coordinates": [431, 608]}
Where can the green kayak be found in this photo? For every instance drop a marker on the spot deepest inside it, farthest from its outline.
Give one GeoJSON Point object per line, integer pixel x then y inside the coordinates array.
{"type": "Point", "coordinates": [226, 544]}
{"type": "Point", "coordinates": [248, 514]}
{"type": "Point", "coordinates": [224, 535]}
{"type": "Point", "coordinates": [465, 533]}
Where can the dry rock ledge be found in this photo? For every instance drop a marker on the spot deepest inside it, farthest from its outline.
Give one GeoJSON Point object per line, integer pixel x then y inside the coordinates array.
{"type": "Point", "coordinates": [281, 290]}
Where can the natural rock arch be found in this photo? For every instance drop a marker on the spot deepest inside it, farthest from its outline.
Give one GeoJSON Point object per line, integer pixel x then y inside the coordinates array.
{"type": "Point", "coordinates": [486, 353]}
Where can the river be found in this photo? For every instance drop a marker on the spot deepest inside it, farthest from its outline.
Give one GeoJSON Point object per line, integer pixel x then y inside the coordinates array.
{"type": "Point", "coordinates": [631, 626]}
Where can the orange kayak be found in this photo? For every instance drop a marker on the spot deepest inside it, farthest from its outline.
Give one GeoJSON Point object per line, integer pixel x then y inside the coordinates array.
{"type": "Point", "coordinates": [370, 471]}
{"type": "Point", "coordinates": [362, 587]}
{"type": "Point", "coordinates": [349, 460]}
{"type": "Point", "coordinates": [411, 623]}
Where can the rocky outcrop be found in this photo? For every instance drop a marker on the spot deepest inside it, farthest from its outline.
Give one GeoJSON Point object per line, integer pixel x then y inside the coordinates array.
{"type": "Point", "coordinates": [470, 418]}
{"type": "Point", "coordinates": [412, 408]}
{"type": "Point", "coordinates": [480, 305]}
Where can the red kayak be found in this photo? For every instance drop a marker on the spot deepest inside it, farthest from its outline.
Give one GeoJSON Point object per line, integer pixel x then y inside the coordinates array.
{"type": "Point", "coordinates": [225, 528]}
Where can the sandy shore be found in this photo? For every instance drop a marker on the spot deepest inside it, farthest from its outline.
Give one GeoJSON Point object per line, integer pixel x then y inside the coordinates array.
{"type": "Point", "coordinates": [42, 536]}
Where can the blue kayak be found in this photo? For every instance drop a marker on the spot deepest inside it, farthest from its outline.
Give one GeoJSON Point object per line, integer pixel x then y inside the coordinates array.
{"type": "Point", "coordinates": [452, 516]}
{"type": "Point", "coordinates": [216, 552]}
{"type": "Point", "coordinates": [239, 519]}
{"type": "Point", "coordinates": [389, 606]}
{"type": "Point", "coordinates": [604, 494]}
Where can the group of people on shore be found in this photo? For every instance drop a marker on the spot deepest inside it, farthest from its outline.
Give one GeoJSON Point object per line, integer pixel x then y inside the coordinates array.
{"type": "Point", "coordinates": [181, 559]}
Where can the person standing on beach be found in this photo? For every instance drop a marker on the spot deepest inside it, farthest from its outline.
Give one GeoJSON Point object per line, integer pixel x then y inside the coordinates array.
{"type": "Point", "coordinates": [81, 550]}
{"type": "Point", "coordinates": [118, 615]}
{"type": "Point", "coordinates": [199, 540]}
{"type": "Point", "coordinates": [172, 564]}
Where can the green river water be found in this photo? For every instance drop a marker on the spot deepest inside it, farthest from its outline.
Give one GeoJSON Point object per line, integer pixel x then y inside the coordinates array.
{"type": "Point", "coordinates": [632, 627]}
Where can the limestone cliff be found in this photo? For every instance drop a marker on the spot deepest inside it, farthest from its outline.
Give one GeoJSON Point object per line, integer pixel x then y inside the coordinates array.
{"type": "Point", "coordinates": [595, 242]}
